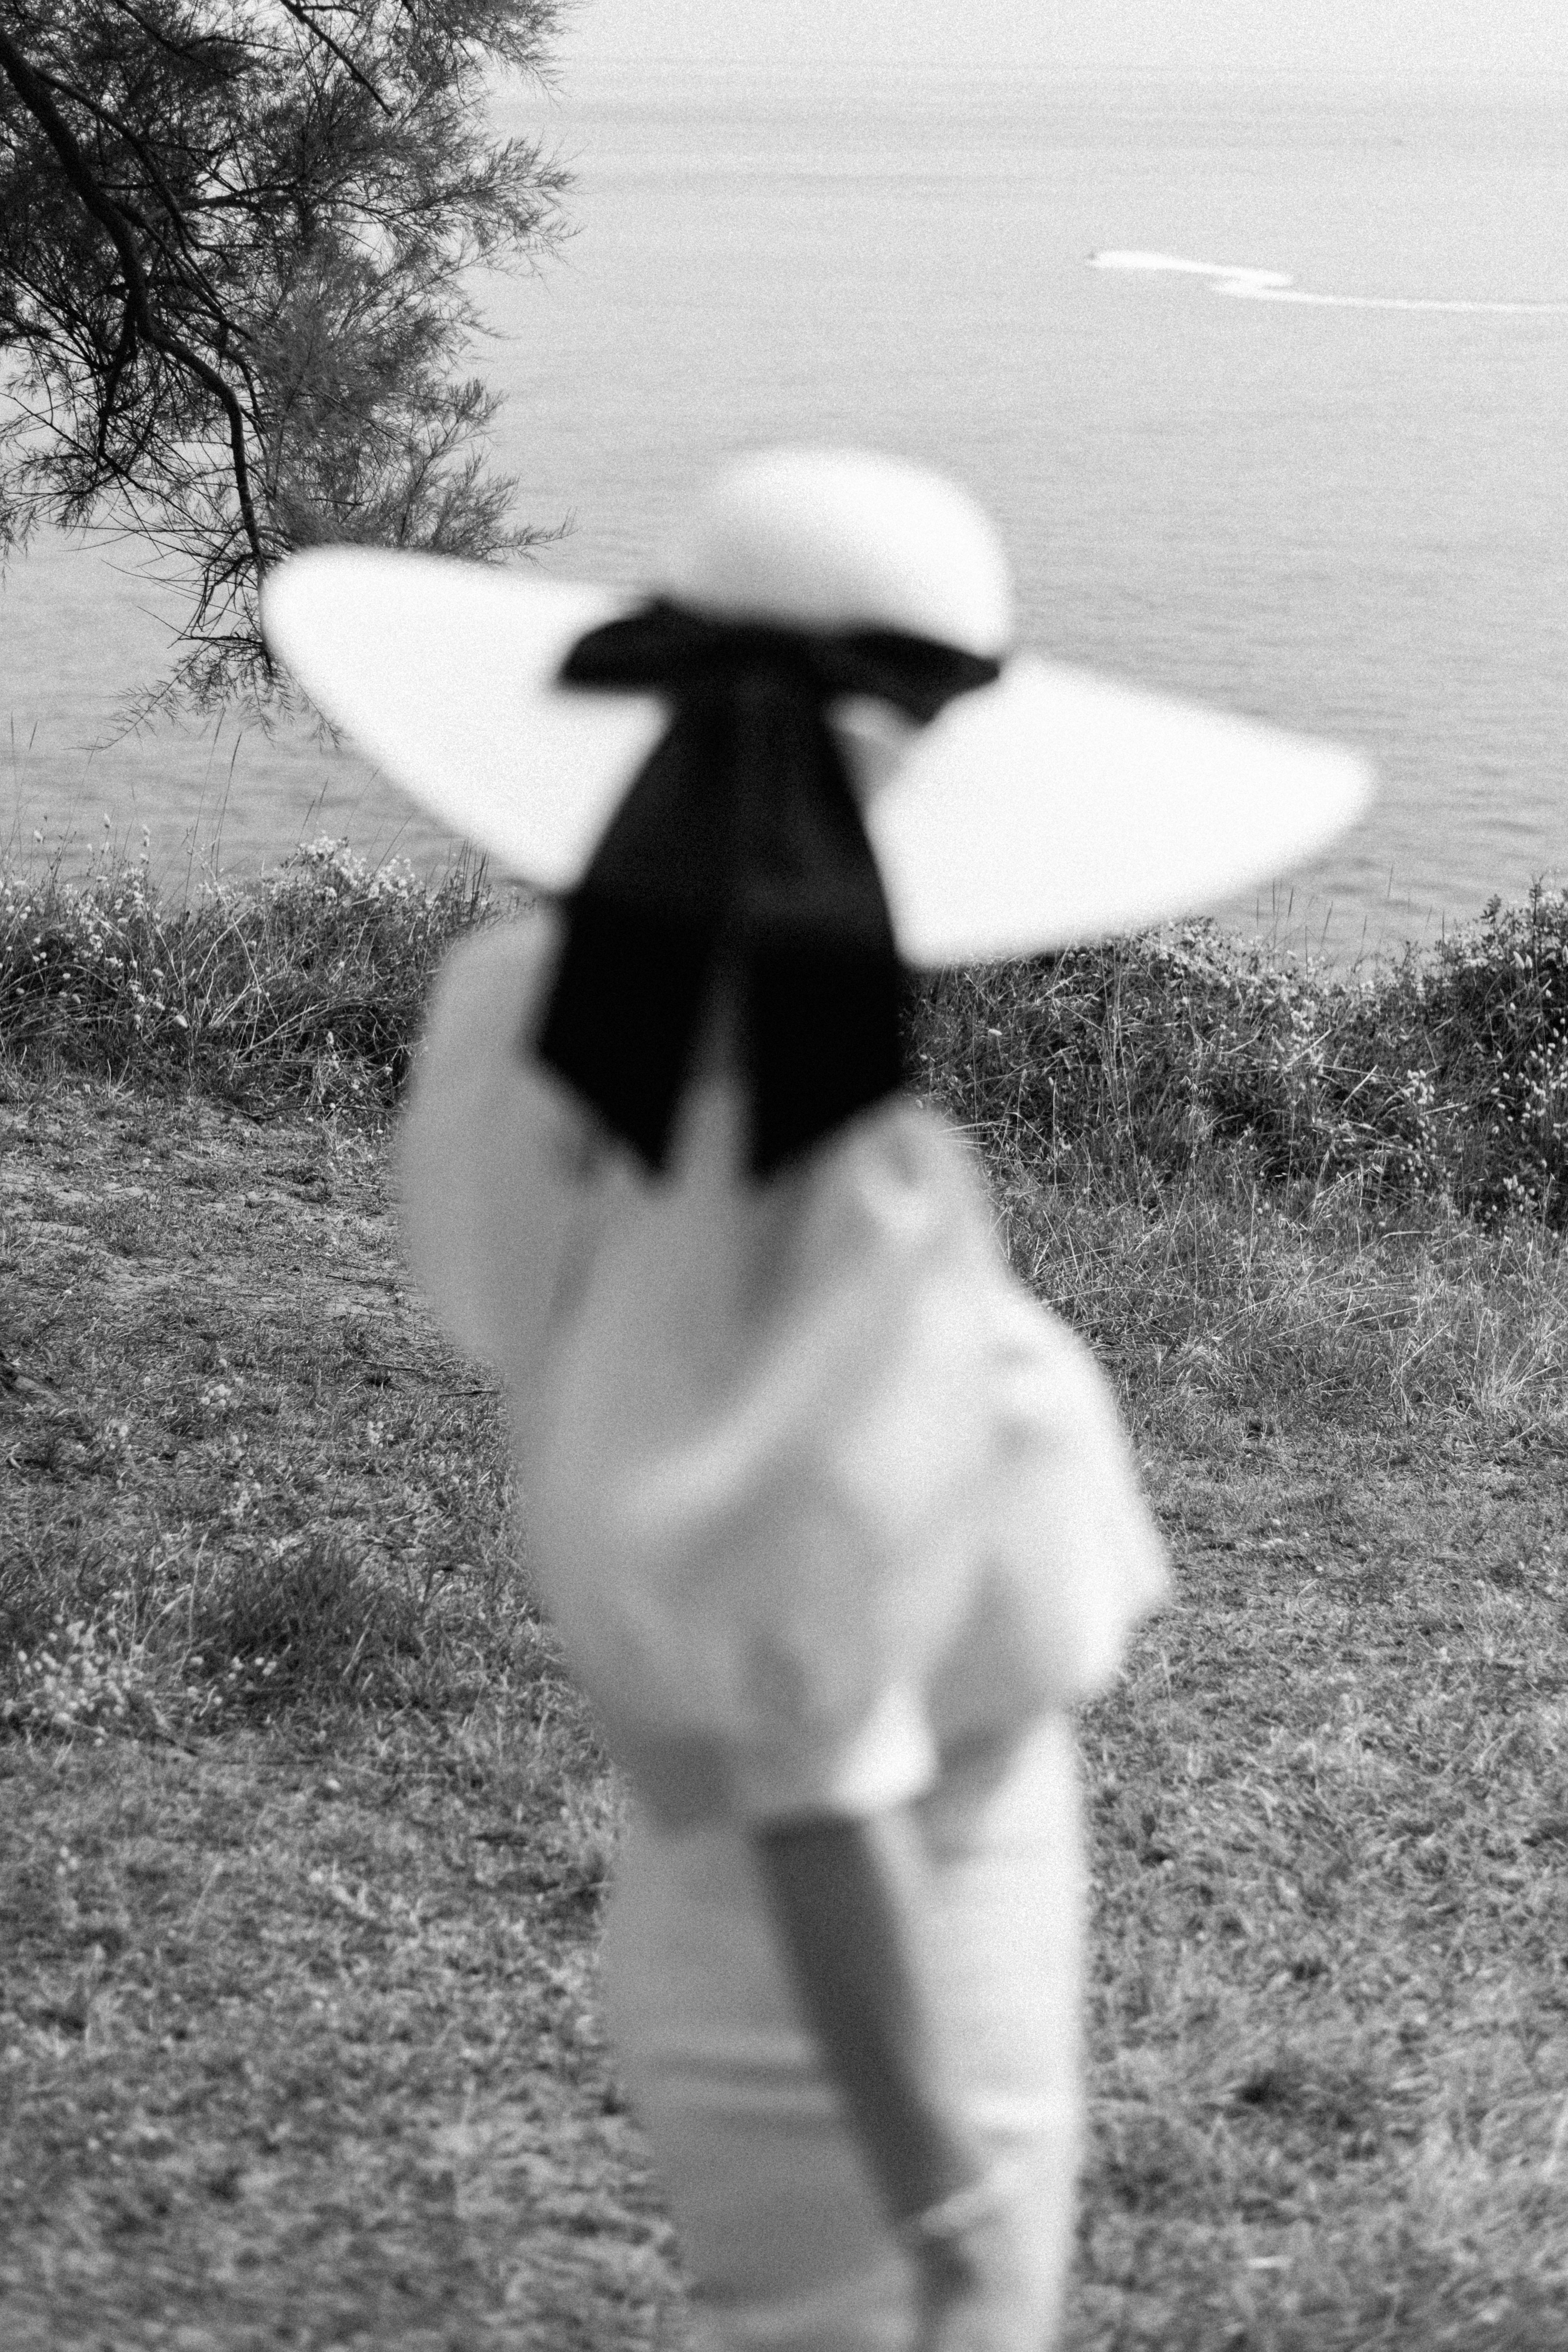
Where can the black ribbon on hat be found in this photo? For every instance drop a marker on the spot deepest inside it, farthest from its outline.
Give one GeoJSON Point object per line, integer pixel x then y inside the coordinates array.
{"type": "Point", "coordinates": [740, 849]}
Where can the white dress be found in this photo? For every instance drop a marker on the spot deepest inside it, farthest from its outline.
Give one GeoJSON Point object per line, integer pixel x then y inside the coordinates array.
{"type": "Point", "coordinates": [831, 1516]}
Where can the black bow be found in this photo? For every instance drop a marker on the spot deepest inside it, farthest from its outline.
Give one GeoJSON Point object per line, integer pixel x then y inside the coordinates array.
{"type": "Point", "coordinates": [740, 849]}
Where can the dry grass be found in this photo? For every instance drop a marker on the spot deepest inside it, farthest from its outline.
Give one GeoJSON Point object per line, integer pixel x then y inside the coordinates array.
{"type": "Point", "coordinates": [305, 1832]}
{"type": "Point", "coordinates": [298, 2045]}
{"type": "Point", "coordinates": [1331, 2013]}
{"type": "Point", "coordinates": [298, 2049]}
{"type": "Point", "coordinates": [1301, 1306]}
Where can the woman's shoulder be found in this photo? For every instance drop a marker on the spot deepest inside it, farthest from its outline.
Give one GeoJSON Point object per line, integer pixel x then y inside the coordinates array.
{"type": "Point", "coordinates": [489, 984]}
{"type": "Point", "coordinates": [495, 1163]}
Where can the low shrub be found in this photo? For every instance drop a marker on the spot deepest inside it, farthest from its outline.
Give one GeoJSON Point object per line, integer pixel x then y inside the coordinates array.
{"type": "Point", "coordinates": [305, 986]}
{"type": "Point", "coordinates": [1443, 1071]}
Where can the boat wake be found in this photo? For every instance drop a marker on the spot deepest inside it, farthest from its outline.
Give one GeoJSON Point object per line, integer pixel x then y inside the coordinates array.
{"type": "Point", "coordinates": [1245, 284]}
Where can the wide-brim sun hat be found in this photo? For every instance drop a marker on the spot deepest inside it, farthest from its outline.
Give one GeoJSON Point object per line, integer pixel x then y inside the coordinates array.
{"type": "Point", "coordinates": [1049, 807]}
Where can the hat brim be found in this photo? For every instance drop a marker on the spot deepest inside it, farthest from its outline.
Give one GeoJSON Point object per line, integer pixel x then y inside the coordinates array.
{"type": "Point", "coordinates": [445, 674]}
{"type": "Point", "coordinates": [1056, 807]}
{"type": "Point", "coordinates": [1052, 807]}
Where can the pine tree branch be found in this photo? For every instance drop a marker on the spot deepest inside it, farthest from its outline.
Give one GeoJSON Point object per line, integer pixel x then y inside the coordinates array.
{"type": "Point", "coordinates": [303, 16]}
{"type": "Point", "coordinates": [32, 89]}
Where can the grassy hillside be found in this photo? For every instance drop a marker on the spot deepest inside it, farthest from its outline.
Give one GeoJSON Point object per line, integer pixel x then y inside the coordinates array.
{"type": "Point", "coordinates": [1443, 1075]}
{"type": "Point", "coordinates": [305, 1834]}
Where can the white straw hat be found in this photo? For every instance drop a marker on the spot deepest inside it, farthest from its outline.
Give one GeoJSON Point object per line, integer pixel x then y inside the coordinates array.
{"type": "Point", "coordinates": [1049, 807]}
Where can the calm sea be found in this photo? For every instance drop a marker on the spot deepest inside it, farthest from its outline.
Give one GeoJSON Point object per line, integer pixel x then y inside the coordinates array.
{"type": "Point", "coordinates": [1348, 512]}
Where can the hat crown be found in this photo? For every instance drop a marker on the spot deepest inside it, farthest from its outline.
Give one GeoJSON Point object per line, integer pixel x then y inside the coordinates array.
{"type": "Point", "coordinates": [840, 540]}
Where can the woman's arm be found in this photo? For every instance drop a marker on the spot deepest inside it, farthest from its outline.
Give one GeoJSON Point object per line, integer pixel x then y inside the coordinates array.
{"type": "Point", "coordinates": [850, 1899]}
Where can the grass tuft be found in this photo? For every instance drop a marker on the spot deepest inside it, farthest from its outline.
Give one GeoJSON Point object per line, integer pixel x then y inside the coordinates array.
{"type": "Point", "coordinates": [313, 1615]}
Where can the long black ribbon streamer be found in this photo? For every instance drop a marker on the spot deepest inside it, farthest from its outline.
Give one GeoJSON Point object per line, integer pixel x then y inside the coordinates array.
{"type": "Point", "coordinates": [740, 849]}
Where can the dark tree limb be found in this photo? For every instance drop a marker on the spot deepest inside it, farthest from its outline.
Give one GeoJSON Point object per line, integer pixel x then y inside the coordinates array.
{"type": "Point", "coordinates": [124, 353]}
{"type": "Point", "coordinates": [185, 51]}
{"type": "Point", "coordinates": [306, 17]}
{"type": "Point", "coordinates": [235, 240]}
{"type": "Point", "coordinates": [31, 88]}
{"type": "Point", "coordinates": [139, 147]}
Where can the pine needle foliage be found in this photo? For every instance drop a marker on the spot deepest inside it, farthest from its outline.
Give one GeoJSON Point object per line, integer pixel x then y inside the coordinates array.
{"type": "Point", "coordinates": [235, 244]}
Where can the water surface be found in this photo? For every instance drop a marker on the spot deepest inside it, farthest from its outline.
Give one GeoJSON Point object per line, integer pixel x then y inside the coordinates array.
{"type": "Point", "coordinates": [1341, 503]}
